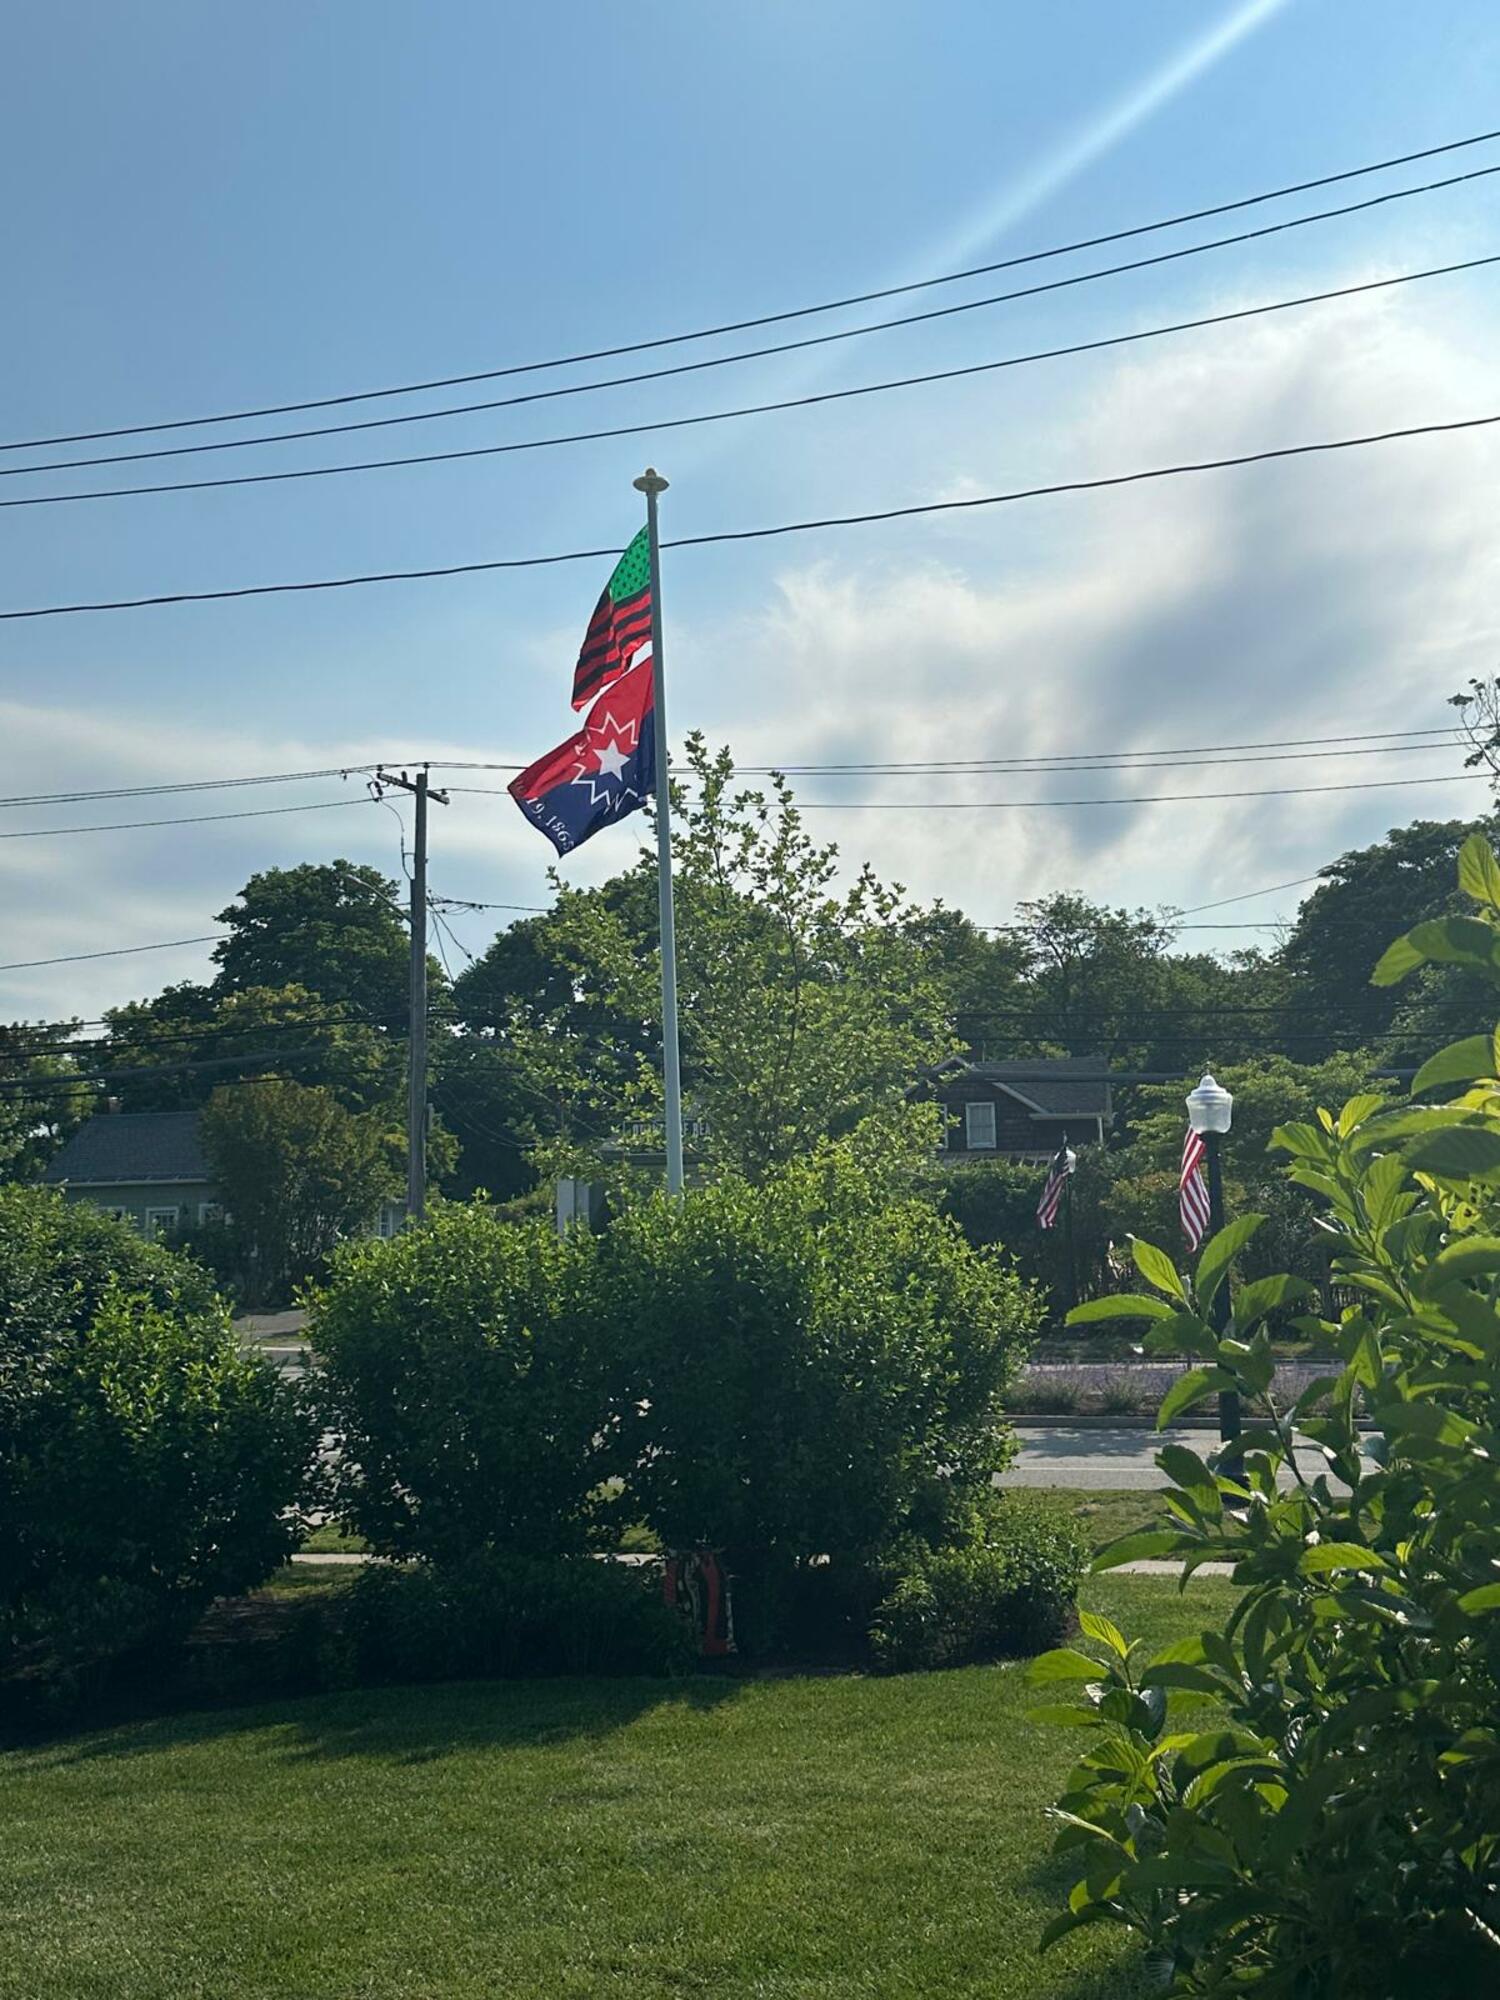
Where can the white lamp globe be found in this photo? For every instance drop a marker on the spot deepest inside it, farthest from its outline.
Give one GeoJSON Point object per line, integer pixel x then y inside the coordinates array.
{"type": "Point", "coordinates": [1209, 1107]}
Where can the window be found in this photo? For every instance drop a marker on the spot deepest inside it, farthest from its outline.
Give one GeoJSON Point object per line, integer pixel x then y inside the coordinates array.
{"type": "Point", "coordinates": [979, 1128]}
{"type": "Point", "coordinates": [210, 1211]}
{"type": "Point", "coordinates": [159, 1219]}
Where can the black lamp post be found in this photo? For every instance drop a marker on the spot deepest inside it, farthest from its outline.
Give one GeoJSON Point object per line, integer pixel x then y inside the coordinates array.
{"type": "Point", "coordinates": [1210, 1108]}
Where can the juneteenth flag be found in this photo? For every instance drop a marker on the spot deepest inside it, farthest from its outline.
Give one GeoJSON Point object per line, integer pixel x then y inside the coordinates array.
{"type": "Point", "coordinates": [620, 628]}
{"type": "Point", "coordinates": [604, 772]}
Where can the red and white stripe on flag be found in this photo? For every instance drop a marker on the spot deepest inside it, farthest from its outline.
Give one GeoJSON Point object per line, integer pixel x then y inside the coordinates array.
{"type": "Point", "coordinates": [1193, 1190]}
{"type": "Point", "coordinates": [1052, 1193]}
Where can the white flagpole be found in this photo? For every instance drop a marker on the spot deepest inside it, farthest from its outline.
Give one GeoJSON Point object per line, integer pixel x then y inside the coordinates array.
{"type": "Point", "coordinates": [651, 483]}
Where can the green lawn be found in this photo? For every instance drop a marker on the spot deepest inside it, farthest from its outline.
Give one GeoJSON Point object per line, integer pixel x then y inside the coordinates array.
{"type": "Point", "coordinates": [787, 1839]}
{"type": "Point", "coordinates": [1107, 1512]}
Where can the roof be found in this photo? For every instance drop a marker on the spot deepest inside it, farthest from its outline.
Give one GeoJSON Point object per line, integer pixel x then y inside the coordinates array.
{"type": "Point", "coordinates": [1053, 1086]}
{"type": "Point", "coordinates": [113, 1149]}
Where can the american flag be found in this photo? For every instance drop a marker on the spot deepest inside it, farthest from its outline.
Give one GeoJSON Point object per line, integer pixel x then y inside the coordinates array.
{"type": "Point", "coordinates": [1192, 1191]}
{"type": "Point", "coordinates": [1063, 1163]}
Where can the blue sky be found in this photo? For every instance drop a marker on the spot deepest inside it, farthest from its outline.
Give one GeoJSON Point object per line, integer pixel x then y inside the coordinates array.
{"type": "Point", "coordinates": [221, 208]}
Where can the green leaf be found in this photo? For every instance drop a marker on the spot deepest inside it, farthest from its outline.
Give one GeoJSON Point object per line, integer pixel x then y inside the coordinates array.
{"type": "Point", "coordinates": [1479, 872]}
{"type": "Point", "coordinates": [1064, 1664]}
{"type": "Point", "coordinates": [1264, 1295]}
{"type": "Point", "coordinates": [1460, 1062]}
{"type": "Point", "coordinates": [1063, 1716]}
{"type": "Point", "coordinates": [1426, 1420]}
{"type": "Point", "coordinates": [1157, 1268]}
{"type": "Point", "coordinates": [1313, 1394]}
{"type": "Point", "coordinates": [1177, 1674]}
{"type": "Point", "coordinates": [1129, 1305]}
{"type": "Point", "coordinates": [1460, 1153]}
{"type": "Point", "coordinates": [1142, 1546]}
{"type": "Point", "coordinates": [1485, 1598]}
{"type": "Point", "coordinates": [1191, 1388]}
{"type": "Point", "coordinates": [1325, 1556]}
{"type": "Point", "coordinates": [1219, 1252]}
{"type": "Point", "coordinates": [1181, 1653]}
{"type": "Point", "coordinates": [1396, 961]}
{"type": "Point", "coordinates": [1440, 941]}
{"type": "Point", "coordinates": [1105, 1632]}
{"type": "Point", "coordinates": [1072, 1920]}
{"type": "Point", "coordinates": [1470, 1257]}
{"type": "Point", "coordinates": [1356, 1110]}
{"type": "Point", "coordinates": [1187, 1470]}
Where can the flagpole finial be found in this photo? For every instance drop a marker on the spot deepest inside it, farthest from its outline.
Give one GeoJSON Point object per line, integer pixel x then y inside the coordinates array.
{"type": "Point", "coordinates": [650, 481]}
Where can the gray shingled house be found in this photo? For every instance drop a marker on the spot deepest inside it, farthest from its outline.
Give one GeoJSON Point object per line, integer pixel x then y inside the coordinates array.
{"type": "Point", "coordinates": [147, 1167]}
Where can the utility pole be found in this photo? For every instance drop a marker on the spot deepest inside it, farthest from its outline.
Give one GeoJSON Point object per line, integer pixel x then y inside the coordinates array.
{"type": "Point", "coordinates": [416, 1064]}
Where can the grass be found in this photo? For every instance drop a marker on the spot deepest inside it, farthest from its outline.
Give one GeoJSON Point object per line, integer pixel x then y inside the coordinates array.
{"type": "Point", "coordinates": [330, 1540]}
{"type": "Point", "coordinates": [787, 1839]}
{"type": "Point", "coordinates": [1107, 1512]}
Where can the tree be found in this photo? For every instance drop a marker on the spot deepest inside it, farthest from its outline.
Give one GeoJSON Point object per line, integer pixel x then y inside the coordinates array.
{"type": "Point", "coordinates": [43, 1097]}
{"type": "Point", "coordinates": [297, 1173]}
{"type": "Point", "coordinates": [546, 1049]}
{"type": "Point", "coordinates": [1346, 922]}
{"type": "Point", "coordinates": [332, 928]}
{"type": "Point", "coordinates": [803, 1009]}
{"type": "Point", "coordinates": [190, 1038]}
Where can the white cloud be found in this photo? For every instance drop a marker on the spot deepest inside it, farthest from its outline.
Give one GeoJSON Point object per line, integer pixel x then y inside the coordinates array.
{"type": "Point", "coordinates": [1350, 592]}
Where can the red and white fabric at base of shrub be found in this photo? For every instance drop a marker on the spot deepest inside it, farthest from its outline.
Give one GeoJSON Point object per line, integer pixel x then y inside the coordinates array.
{"type": "Point", "coordinates": [695, 1579]}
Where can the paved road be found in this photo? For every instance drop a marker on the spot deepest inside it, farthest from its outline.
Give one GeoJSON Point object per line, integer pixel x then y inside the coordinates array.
{"type": "Point", "coordinates": [1070, 1455]}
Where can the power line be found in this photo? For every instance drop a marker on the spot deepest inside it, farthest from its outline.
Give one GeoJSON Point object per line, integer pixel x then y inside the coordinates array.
{"type": "Point", "coordinates": [1224, 901]}
{"type": "Point", "coordinates": [764, 319]}
{"type": "Point", "coordinates": [1029, 767]}
{"type": "Point", "coordinates": [1045, 761]}
{"type": "Point", "coordinates": [1027, 805]}
{"type": "Point", "coordinates": [186, 785]}
{"type": "Point", "coordinates": [666, 423]}
{"type": "Point", "coordinates": [192, 819]}
{"type": "Point", "coordinates": [119, 951]}
{"type": "Point", "coordinates": [27, 1086]}
{"type": "Point", "coordinates": [1095, 485]}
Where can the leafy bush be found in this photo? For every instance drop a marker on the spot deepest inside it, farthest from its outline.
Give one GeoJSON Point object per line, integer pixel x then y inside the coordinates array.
{"type": "Point", "coordinates": [146, 1463]}
{"type": "Point", "coordinates": [465, 1376]}
{"type": "Point", "coordinates": [503, 1615]}
{"type": "Point", "coordinates": [1338, 1831]}
{"type": "Point", "coordinates": [1010, 1594]}
{"type": "Point", "coordinates": [806, 1359]}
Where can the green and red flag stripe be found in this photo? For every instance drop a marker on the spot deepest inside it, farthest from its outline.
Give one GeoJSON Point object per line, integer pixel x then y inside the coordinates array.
{"type": "Point", "coordinates": [621, 625]}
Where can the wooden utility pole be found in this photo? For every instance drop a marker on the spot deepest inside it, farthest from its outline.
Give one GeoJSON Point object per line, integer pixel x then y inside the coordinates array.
{"type": "Point", "coordinates": [416, 1066]}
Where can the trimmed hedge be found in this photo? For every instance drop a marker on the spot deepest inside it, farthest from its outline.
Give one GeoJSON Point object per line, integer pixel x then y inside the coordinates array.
{"type": "Point", "coordinates": [147, 1464]}
{"type": "Point", "coordinates": [502, 1616]}
{"type": "Point", "coordinates": [1010, 1595]}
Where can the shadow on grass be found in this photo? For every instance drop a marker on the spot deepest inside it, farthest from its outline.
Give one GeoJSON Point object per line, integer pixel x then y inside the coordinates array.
{"type": "Point", "coordinates": [410, 1724]}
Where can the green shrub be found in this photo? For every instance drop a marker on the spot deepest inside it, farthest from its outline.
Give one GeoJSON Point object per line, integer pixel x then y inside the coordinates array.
{"type": "Point", "coordinates": [500, 1615]}
{"type": "Point", "coordinates": [1008, 1595]}
{"type": "Point", "coordinates": [1337, 1831]}
{"type": "Point", "coordinates": [59, 1260]}
{"type": "Point", "coordinates": [464, 1374]}
{"type": "Point", "coordinates": [149, 1466]}
{"type": "Point", "coordinates": [805, 1358]}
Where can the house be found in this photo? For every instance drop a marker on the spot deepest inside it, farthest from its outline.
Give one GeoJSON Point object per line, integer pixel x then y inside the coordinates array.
{"type": "Point", "coordinates": [1021, 1110]}
{"type": "Point", "coordinates": [145, 1167]}
{"type": "Point", "coordinates": [148, 1168]}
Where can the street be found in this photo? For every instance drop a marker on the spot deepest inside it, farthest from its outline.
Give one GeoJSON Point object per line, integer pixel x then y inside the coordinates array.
{"type": "Point", "coordinates": [1080, 1457]}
